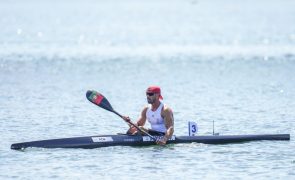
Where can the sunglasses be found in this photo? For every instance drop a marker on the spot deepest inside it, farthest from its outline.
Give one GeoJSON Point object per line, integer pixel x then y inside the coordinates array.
{"type": "Point", "coordinates": [150, 94]}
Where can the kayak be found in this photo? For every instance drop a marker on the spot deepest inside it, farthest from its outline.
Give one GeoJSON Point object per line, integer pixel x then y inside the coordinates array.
{"type": "Point", "coordinates": [89, 142]}
{"type": "Point", "coordinates": [138, 140]}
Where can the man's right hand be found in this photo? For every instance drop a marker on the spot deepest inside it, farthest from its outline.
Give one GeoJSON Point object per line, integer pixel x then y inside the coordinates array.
{"type": "Point", "coordinates": [126, 118]}
{"type": "Point", "coordinates": [132, 130]}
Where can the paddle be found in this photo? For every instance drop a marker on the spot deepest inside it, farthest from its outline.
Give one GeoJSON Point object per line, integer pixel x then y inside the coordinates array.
{"type": "Point", "coordinates": [99, 100]}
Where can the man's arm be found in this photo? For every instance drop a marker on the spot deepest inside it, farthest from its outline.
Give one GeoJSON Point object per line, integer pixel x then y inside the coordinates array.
{"type": "Point", "coordinates": [169, 123]}
{"type": "Point", "coordinates": [140, 122]}
{"type": "Point", "coordinates": [142, 119]}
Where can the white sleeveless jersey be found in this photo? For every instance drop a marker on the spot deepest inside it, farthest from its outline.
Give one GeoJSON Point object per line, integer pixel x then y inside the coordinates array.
{"type": "Point", "coordinates": [155, 119]}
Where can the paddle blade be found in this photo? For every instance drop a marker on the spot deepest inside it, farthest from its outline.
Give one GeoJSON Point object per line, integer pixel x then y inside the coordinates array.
{"type": "Point", "coordinates": [99, 100]}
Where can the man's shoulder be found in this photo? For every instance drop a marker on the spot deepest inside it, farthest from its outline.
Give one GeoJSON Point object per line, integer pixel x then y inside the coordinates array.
{"type": "Point", "coordinates": [166, 108]}
{"type": "Point", "coordinates": [145, 108]}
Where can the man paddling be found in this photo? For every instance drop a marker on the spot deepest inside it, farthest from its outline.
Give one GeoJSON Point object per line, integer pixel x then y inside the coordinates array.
{"type": "Point", "coordinates": [159, 115]}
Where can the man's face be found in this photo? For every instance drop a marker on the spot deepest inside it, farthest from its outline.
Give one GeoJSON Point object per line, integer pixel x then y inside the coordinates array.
{"type": "Point", "coordinates": [151, 97]}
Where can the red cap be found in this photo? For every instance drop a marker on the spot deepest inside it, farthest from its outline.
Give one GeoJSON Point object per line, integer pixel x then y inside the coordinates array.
{"type": "Point", "coordinates": [155, 89]}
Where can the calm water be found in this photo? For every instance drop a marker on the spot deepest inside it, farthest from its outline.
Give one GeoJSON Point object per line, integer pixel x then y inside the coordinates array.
{"type": "Point", "coordinates": [229, 61]}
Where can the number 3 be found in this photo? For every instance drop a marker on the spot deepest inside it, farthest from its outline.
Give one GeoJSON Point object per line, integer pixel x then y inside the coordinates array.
{"type": "Point", "coordinates": [194, 128]}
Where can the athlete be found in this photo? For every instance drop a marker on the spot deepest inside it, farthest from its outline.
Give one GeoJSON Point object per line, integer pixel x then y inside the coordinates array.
{"type": "Point", "coordinates": [159, 115]}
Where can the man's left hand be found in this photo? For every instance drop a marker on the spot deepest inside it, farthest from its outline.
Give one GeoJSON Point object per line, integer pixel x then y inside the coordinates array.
{"type": "Point", "coordinates": [162, 141]}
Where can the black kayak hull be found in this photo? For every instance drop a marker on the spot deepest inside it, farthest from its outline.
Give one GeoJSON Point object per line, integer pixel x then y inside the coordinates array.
{"type": "Point", "coordinates": [89, 142]}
